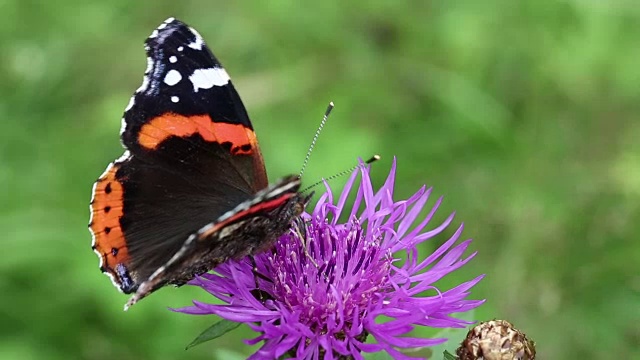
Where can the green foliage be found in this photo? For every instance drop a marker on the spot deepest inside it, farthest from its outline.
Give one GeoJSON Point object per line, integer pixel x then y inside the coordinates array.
{"type": "Point", "coordinates": [523, 114]}
{"type": "Point", "coordinates": [448, 356]}
{"type": "Point", "coordinates": [214, 331]}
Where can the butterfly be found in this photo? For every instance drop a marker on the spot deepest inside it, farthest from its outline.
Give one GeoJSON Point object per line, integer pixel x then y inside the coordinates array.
{"type": "Point", "coordinates": [190, 191]}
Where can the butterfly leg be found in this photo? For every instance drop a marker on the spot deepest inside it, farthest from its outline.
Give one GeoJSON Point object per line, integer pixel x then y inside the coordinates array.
{"type": "Point", "coordinates": [258, 293]}
{"type": "Point", "coordinates": [300, 229]}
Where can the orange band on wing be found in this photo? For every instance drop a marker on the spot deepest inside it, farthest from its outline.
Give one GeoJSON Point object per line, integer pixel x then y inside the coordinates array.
{"type": "Point", "coordinates": [106, 211]}
{"type": "Point", "coordinates": [160, 128]}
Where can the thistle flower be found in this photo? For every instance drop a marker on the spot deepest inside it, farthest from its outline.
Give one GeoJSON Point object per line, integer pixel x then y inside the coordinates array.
{"type": "Point", "coordinates": [328, 285]}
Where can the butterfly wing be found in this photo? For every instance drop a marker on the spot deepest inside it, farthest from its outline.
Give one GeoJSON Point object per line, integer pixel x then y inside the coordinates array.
{"type": "Point", "coordinates": [247, 229]}
{"type": "Point", "coordinates": [191, 155]}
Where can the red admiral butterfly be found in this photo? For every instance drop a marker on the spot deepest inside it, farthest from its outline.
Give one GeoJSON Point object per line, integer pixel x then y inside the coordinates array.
{"type": "Point", "coordinates": [191, 190]}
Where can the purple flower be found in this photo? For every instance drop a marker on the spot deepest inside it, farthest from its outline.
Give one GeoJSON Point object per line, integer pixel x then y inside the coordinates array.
{"type": "Point", "coordinates": [329, 285]}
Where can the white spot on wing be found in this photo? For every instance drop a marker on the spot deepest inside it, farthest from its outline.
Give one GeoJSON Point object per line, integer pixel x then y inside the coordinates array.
{"type": "Point", "coordinates": [173, 77]}
{"type": "Point", "coordinates": [175, 99]}
{"type": "Point", "coordinates": [130, 104]}
{"type": "Point", "coordinates": [170, 20]}
{"type": "Point", "coordinates": [180, 48]}
{"type": "Point", "coordinates": [162, 26]}
{"type": "Point", "coordinates": [196, 45]}
{"type": "Point", "coordinates": [123, 126]}
{"type": "Point", "coordinates": [149, 65]}
{"type": "Point", "coordinates": [173, 59]}
{"type": "Point", "coordinates": [145, 84]}
{"type": "Point", "coordinates": [154, 34]}
{"type": "Point", "coordinates": [124, 157]}
{"type": "Point", "coordinates": [207, 78]}
{"type": "Point", "coordinates": [145, 79]}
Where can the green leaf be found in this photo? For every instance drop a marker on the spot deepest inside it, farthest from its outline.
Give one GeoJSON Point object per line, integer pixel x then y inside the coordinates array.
{"type": "Point", "coordinates": [449, 356]}
{"type": "Point", "coordinates": [215, 331]}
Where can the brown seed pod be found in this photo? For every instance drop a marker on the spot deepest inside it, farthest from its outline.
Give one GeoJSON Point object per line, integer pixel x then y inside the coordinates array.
{"type": "Point", "coordinates": [496, 340]}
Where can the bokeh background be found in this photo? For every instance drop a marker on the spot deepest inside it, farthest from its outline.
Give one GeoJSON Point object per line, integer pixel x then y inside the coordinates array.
{"type": "Point", "coordinates": [522, 114]}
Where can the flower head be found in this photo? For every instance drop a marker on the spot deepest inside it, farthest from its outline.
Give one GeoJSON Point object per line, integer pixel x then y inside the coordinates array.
{"type": "Point", "coordinates": [329, 285]}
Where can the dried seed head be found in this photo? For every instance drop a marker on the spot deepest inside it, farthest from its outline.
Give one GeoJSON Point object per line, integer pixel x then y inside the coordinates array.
{"type": "Point", "coordinates": [496, 340]}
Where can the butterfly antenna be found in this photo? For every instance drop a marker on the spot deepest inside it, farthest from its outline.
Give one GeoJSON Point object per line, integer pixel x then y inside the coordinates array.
{"type": "Point", "coordinates": [373, 159]}
{"type": "Point", "coordinates": [315, 138]}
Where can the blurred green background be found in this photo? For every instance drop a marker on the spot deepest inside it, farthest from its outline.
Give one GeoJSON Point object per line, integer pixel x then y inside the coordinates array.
{"type": "Point", "coordinates": [523, 114]}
